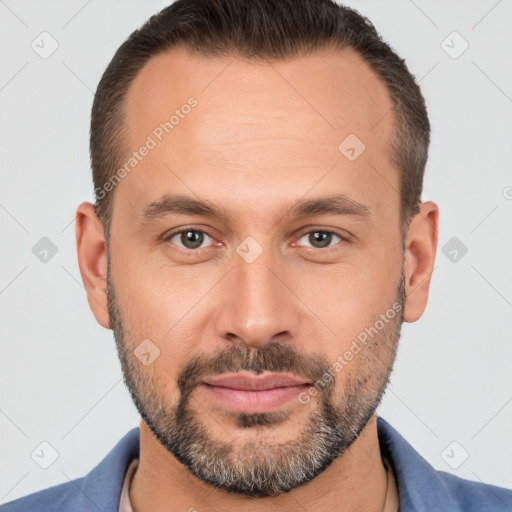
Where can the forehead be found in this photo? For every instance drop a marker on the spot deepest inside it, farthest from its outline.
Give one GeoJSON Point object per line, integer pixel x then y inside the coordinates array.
{"type": "Point", "coordinates": [276, 126]}
{"type": "Point", "coordinates": [337, 90]}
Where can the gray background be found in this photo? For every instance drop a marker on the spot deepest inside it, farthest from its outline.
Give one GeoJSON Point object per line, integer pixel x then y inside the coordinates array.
{"type": "Point", "coordinates": [60, 379]}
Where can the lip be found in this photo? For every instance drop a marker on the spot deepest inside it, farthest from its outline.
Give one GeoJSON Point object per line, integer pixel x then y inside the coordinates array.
{"type": "Point", "coordinates": [247, 393]}
{"type": "Point", "coordinates": [249, 382]}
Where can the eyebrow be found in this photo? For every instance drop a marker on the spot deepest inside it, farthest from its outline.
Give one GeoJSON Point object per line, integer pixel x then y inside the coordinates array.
{"type": "Point", "coordinates": [170, 204]}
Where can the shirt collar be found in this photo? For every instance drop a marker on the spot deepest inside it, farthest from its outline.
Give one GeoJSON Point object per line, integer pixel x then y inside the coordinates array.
{"type": "Point", "coordinates": [419, 486]}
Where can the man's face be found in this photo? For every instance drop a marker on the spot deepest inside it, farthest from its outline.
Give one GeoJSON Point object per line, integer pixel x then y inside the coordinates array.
{"type": "Point", "coordinates": [261, 290]}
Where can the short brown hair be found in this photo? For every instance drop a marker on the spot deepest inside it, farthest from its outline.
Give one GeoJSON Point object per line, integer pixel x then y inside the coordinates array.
{"type": "Point", "coordinates": [268, 30]}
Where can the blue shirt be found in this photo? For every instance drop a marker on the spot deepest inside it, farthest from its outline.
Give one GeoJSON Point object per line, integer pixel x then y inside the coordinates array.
{"type": "Point", "coordinates": [421, 487]}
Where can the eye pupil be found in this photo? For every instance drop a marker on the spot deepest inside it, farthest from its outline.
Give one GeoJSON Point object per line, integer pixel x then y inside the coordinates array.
{"type": "Point", "coordinates": [324, 238]}
{"type": "Point", "coordinates": [193, 237]}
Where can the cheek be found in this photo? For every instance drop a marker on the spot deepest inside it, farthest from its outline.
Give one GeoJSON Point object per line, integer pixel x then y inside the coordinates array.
{"type": "Point", "coordinates": [346, 299]}
{"type": "Point", "coordinates": [166, 305]}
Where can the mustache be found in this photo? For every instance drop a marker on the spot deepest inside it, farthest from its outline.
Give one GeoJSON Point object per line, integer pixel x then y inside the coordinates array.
{"type": "Point", "coordinates": [272, 357]}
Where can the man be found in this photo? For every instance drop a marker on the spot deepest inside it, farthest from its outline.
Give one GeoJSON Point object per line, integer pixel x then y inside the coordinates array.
{"type": "Point", "coordinates": [257, 241]}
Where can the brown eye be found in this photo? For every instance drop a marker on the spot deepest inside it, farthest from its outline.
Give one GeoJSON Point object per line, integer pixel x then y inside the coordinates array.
{"type": "Point", "coordinates": [320, 239]}
{"type": "Point", "coordinates": [188, 238]}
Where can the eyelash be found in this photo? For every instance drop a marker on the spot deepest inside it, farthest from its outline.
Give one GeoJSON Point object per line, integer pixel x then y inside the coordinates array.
{"type": "Point", "coordinates": [168, 238]}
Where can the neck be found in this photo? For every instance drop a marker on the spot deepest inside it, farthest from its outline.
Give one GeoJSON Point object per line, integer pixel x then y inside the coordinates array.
{"type": "Point", "coordinates": [354, 482]}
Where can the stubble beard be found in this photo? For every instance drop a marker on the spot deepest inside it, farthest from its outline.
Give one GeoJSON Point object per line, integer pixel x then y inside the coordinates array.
{"type": "Point", "coordinates": [259, 467]}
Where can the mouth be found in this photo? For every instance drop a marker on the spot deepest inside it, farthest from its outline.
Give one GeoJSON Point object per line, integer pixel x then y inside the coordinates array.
{"type": "Point", "coordinates": [244, 392]}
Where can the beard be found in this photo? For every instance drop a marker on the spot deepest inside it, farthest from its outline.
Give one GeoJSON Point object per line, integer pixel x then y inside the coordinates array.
{"type": "Point", "coordinates": [260, 466]}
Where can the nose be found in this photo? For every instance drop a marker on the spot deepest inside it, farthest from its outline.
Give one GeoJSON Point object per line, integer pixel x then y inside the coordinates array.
{"type": "Point", "coordinates": [258, 305]}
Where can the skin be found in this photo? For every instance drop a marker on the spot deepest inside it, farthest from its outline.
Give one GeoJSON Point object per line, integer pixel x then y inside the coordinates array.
{"type": "Point", "coordinates": [260, 137]}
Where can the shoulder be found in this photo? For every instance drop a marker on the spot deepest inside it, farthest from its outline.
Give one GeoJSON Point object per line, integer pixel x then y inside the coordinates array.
{"type": "Point", "coordinates": [98, 490]}
{"type": "Point", "coordinates": [421, 487]}
{"type": "Point", "coordinates": [476, 496]}
{"type": "Point", "coordinates": [58, 497]}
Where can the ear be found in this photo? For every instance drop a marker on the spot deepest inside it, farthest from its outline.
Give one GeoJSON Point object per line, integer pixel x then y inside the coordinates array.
{"type": "Point", "coordinates": [91, 248]}
{"type": "Point", "coordinates": [420, 253]}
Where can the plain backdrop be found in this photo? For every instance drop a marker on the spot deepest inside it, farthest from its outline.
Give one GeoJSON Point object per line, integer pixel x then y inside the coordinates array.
{"type": "Point", "coordinates": [60, 379]}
